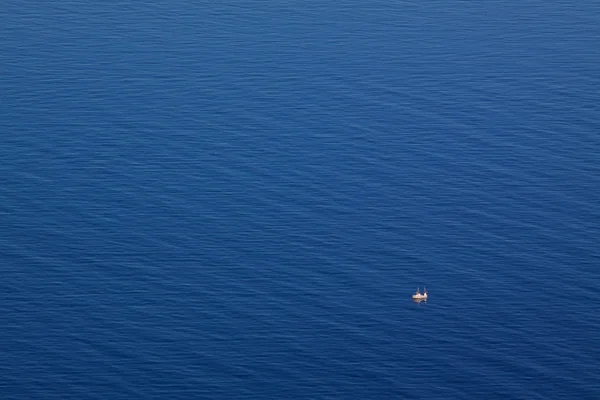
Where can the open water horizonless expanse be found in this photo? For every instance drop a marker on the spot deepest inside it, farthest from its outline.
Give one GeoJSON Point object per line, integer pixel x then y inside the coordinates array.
{"type": "Point", "coordinates": [236, 199]}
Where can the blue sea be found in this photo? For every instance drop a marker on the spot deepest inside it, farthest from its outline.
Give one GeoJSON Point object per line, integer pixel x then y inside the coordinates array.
{"type": "Point", "coordinates": [236, 199]}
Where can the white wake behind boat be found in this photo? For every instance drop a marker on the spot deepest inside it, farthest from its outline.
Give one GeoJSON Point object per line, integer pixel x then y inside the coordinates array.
{"type": "Point", "coordinates": [420, 296]}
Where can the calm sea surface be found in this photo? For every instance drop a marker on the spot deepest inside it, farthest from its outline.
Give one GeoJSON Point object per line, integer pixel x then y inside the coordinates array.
{"type": "Point", "coordinates": [236, 199]}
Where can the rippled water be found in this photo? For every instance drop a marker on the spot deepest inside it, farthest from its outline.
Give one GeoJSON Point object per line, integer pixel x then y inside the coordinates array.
{"type": "Point", "coordinates": [237, 199]}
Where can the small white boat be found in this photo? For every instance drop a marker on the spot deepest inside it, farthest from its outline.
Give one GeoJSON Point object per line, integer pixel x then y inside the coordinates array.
{"type": "Point", "coordinates": [419, 296]}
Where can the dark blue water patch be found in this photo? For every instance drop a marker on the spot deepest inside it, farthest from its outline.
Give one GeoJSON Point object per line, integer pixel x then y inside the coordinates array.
{"type": "Point", "coordinates": [237, 200]}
